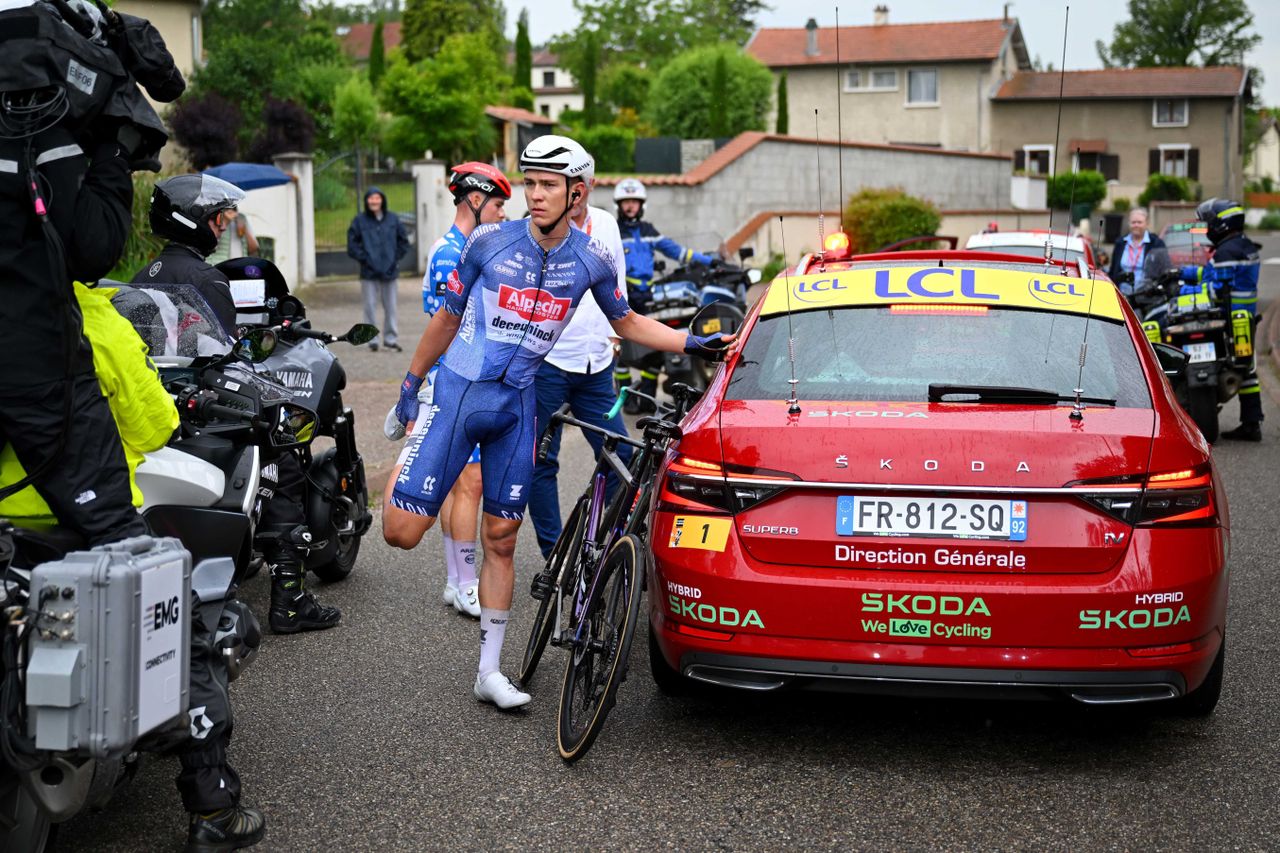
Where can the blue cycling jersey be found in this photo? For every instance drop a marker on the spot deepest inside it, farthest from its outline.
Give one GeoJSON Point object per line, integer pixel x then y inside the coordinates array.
{"type": "Point", "coordinates": [515, 299]}
{"type": "Point", "coordinates": [442, 261]}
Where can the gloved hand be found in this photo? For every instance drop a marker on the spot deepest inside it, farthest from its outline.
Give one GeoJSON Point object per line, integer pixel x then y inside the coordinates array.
{"type": "Point", "coordinates": [1189, 273]}
{"type": "Point", "coordinates": [407, 407]}
{"type": "Point", "coordinates": [708, 347]}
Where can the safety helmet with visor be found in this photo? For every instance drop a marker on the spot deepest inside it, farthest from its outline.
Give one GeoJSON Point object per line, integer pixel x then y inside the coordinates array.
{"type": "Point", "coordinates": [630, 189]}
{"type": "Point", "coordinates": [181, 207]}
{"type": "Point", "coordinates": [1222, 216]}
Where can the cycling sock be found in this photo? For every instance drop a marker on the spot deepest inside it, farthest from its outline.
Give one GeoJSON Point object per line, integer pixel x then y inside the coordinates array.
{"type": "Point", "coordinates": [493, 630]}
{"type": "Point", "coordinates": [450, 561]}
{"type": "Point", "coordinates": [464, 557]}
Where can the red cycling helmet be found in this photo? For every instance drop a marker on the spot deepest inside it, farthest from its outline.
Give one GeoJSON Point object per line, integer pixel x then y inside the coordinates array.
{"type": "Point", "coordinates": [478, 177]}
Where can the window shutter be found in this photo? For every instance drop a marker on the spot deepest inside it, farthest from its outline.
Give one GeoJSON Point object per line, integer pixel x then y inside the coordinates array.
{"type": "Point", "coordinates": [1110, 166]}
{"type": "Point", "coordinates": [1019, 160]}
{"type": "Point", "coordinates": [1193, 164]}
{"type": "Point", "coordinates": [1153, 161]}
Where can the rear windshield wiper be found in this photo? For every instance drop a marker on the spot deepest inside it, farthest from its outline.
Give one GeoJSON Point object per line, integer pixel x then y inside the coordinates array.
{"type": "Point", "coordinates": [938, 393]}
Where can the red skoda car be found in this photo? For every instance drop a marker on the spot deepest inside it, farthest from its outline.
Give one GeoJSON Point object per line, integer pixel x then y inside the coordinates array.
{"type": "Point", "coordinates": [982, 485]}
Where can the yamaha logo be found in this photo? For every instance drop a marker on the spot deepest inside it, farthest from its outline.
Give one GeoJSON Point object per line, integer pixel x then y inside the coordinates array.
{"type": "Point", "coordinates": [155, 270]}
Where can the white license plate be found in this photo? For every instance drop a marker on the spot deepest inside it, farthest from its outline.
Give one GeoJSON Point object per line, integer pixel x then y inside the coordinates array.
{"type": "Point", "coordinates": [1201, 352]}
{"type": "Point", "coordinates": [953, 518]}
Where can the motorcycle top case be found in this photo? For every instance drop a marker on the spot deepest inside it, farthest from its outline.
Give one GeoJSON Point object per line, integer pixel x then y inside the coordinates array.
{"type": "Point", "coordinates": [110, 646]}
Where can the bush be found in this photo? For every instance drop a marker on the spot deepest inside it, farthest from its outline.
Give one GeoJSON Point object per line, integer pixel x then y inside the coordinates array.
{"type": "Point", "coordinates": [332, 189]}
{"type": "Point", "coordinates": [1165, 188]}
{"type": "Point", "coordinates": [1270, 222]}
{"type": "Point", "coordinates": [1120, 204]}
{"type": "Point", "coordinates": [141, 245]}
{"type": "Point", "coordinates": [1262, 185]}
{"type": "Point", "coordinates": [1089, 188]}
{"type": "Point", "coordinates": [286, 127]}
{"type": "Point", "coordinates": [206, 126]}
{"type": "Point", "coordinates": [613, 147]}
{"type": "Point", "coordinates": [878, 217]}
{"type": "Point", "coordinates": [682, 99]}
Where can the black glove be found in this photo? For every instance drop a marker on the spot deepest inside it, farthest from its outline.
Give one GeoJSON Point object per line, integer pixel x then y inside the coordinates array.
{"type": "Point", "coordinates": [708, 347]}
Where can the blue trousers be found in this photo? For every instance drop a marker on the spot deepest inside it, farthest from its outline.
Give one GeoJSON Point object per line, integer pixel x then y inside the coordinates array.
{"type": "Point", "coordinates": [590, 396]}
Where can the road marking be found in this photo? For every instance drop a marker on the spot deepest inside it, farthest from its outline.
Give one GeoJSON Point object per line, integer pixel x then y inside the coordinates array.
{"type": "Point", "coordinates": [1272, 261]}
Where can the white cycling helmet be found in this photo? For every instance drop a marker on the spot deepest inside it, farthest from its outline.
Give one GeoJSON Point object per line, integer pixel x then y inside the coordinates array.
{"type": "Point", "coordinates": [629, 188]}
{"type": "Point", "coordinates": [558, 154]}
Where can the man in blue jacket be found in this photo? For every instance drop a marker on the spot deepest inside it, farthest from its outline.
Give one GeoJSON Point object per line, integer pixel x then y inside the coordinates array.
{"type": "Point", "coordinates": [377, 241]}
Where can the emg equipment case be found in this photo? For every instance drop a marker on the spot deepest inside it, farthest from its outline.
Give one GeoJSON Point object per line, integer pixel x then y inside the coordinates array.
{"type": "Point", "coordinates": [110, 646]}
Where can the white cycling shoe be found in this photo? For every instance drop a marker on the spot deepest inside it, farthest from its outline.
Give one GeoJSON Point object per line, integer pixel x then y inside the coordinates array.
{"type": "Point", "coordinates": [449, 595]}
{"type": "Point", "coordinates": [391, 427]}
{"type": "Point", "coordinates": [498, 689]}
{"type": "Point", "coordinates": [467, 599]}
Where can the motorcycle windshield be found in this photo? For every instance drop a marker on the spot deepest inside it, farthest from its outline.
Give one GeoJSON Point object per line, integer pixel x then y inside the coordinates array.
{"type": "Point", "coordinates": [173, 320]}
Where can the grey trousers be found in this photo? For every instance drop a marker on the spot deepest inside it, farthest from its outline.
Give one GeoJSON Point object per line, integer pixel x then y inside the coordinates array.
{"type": "Point", "coordinates": [381, 290]}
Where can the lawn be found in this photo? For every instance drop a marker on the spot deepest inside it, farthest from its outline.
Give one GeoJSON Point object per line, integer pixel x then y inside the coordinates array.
{"type": "Point", "coordinates": [331, 223]}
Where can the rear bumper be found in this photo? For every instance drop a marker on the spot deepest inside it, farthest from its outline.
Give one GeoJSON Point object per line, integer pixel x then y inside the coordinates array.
{"type": "Point", "coordinates": [1091, 688]}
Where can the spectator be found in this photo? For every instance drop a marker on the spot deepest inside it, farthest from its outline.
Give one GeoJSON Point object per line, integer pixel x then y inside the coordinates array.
{"type": "Point", "coordinates": [377, 240]}
{"type": "Point", "coordinates": [1130, 253]}
{"type": "Point", "coordinates": [238, 241]}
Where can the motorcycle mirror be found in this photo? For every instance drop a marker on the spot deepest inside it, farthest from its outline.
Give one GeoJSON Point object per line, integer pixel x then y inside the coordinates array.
{"type": "Point", "coordinates": [1173, 361]}
{"type": "Point", "coordinates": [722, 318]}
{"type": "Point", "coordinates": [754, 276]}
{"type": "Point", "coordinates": [659, 266]}
{"type": "Point", "coordinates": [746, 252]}
{"type": "Point", "coordinates": [256, 345]}
{"type": "Point", "coordinates": [294, 426]}
{"type": "Point", "coordinates": [360, 333]}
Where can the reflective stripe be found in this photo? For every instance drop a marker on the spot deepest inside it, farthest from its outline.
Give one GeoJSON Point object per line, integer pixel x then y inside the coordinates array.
{"type": "Point", "coordinates": [1246, 391]}
{"type": "Point", "coordinates": [9, 167]}
{"type": "Point", "coordinates": [1246, 262]}
{"type": "Point", "coordinates": [1231, 211]}
{"type": "Point", "coordinates": [60, 153]}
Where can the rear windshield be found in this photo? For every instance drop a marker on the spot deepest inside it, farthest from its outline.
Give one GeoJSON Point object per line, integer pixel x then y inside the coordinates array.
{"type": "Point", "coordinates": [1183, 239]}
{"type": "Point", "coordinates": [1030, 251]}
{"type": "Point", "coordinates": [871, 353]}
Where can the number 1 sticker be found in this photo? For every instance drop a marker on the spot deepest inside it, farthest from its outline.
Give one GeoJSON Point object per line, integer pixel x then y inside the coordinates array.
{"type": "Point", "coordinates": [699, 531]}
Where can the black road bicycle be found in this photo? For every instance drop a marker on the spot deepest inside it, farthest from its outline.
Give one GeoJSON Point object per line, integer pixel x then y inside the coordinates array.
{"type": "Point", "coordinates": [589, 591]}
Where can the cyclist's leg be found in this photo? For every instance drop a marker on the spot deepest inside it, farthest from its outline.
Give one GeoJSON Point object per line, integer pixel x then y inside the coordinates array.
{"type": "Point", "coordinates": [464, 507]}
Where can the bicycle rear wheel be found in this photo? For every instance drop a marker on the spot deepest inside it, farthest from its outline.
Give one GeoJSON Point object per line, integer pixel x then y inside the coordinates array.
{"type": "Point", "coordinates": [563, 564]}
{"type": "Point", "coordinates": [599, 665]}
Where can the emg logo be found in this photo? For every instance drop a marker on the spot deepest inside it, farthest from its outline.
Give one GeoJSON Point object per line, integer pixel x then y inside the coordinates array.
{"type": "Point", "coordinates": [165, 613]}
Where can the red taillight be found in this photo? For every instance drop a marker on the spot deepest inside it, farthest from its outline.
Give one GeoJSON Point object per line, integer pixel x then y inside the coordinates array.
{"type": "Point", "coordinates": [696, 483]}
{"type": "Point", "coordinates": [940, 310]}
{"type": "Point", "coordinates": [1183, 498]}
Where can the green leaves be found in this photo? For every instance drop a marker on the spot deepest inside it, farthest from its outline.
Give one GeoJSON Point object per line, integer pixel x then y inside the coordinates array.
{"type": "Point", "coordinates": [1181, 32]}
{"type": "Point", "coordinates": [1089, 186]}
{"type": "Point", "coordinates": [355, 112]}
{"type": "Point", "coordinates": [877, 217]}
{"type": "Point", "coordinates": [687, 101]}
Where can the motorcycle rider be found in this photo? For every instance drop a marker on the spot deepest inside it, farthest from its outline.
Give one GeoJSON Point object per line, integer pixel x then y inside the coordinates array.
{"type": "Point", "coordinates": [639, 240]}
{"type": "Point", "coordinates": [192, 212]}
{"type": "Point", "coordinates": [516, 286]}
{"type": "Point", "coordinates": [1234, 265]}
{"type": "Point", "coordinates": [480, 193]}
{"type": "Point", "coordinates": [144, 413]}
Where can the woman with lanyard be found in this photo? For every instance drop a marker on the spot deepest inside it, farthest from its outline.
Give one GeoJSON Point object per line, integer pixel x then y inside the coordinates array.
{"type": "Point", "coordinates": [1131, 252]}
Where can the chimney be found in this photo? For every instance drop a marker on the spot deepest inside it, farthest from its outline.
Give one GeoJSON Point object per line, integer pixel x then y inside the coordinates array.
{"type": "Point", "coordinates": [811, 49]}
{"type": "Point", "coordinates": [882, 16]}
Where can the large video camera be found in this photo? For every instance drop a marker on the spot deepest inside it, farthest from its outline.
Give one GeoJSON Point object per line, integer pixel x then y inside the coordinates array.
{"type": "Point", "coordinates": [78, 64]}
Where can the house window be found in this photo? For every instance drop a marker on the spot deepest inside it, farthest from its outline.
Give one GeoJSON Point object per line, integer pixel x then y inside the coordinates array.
{"type": "Point", "coordinates": [1169, 112]}
{"type": "Point", "coordinates": [922, 86]}
{"type": "Point", "coordinates": [1036, 159]}
{"type": "Point", "coordinates": [546, 110]}
{"type": "Point", "coordinates": [875, 80]}
{"type": "Point", "coordinates": [1107, 164]}
{"type": "Point", "coordinates": [549, 79]}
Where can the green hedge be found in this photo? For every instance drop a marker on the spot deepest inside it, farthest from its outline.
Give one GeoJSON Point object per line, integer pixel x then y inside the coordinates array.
{"type": "Point", "coordinates": [614, 148]}
{"type": "Point", "coordinates": [1165, 188]}
{"type": "Point", "coordinates": [1090, 188]}
{"type": "Point", "coordinates": [877, 217]}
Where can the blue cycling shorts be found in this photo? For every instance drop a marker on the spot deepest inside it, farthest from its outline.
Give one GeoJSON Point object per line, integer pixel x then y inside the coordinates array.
{"type": "Point", "coordinates": [462, 414]}
{"type": "Point", "coordinates": [426, 396]}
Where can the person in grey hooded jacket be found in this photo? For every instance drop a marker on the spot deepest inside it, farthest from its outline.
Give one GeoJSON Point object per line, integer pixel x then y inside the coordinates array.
{"type": "Point", "coordinates": [377, 241]}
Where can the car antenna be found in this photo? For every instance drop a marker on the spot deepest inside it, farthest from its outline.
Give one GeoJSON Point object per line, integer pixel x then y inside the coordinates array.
{"type": "Point", "coordinates": [1057, 134]}
{"type": "Point", "coordinates": [817, 161]}
{"type": "Point", "coordinates": [1071, 202]}
{"type": "Point", "coordinates": [840, 200]}
{"type": "Point", "coordinates": [793, 404]}
{"type": "Point", "coordinates": [1077, 410]}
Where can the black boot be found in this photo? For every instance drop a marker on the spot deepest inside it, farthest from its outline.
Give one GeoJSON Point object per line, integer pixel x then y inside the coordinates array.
{"type": "Point", "coordinates": [225, 830]}
{"type": "Point", "coordinates": [1247, 431]}
{"type": "Point", "coordinates": [293, 609]}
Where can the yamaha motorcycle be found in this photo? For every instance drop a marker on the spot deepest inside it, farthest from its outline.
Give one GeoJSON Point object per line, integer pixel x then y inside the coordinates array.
{"type": "Point", "coordinates": [674, 300]}
{"type": "Point", "coordinates": [337, 499]}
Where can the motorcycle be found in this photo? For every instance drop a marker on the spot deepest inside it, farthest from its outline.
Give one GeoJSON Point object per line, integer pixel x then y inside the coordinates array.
{"type": "Point", "coordinates": [337, 497]}
{"type": "Point", "coordinates": [674, 300]}
{"type": "Point", "coordinates": [1217, 340]}
{"type": "Point", "coordinates": [80, 685]}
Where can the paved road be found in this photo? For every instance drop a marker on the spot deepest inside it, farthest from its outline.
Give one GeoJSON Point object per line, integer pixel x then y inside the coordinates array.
{"type": "Point", "coordinates": [367, 737]}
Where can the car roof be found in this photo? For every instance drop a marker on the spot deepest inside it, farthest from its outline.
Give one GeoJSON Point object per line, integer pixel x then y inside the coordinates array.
{"type": "Point", "coordinates": [1025, 238]}
{"type": "Point", "coordinates": [941, 281]}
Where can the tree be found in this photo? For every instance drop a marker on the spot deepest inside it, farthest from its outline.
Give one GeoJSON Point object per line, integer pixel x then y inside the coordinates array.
{"type": "Point", "coordinates": [783, 118]}
{"type": "Point", "coordinates": [427, 24]}
{"type": "Point", "coordinates": [522, 74]}
{"type": "Point", "coordinates": [377, 56]}
{"type": "Point", "coordinates": [286, 126]}
{"type": "Point", "coordinates": [355, 113]}
{"type": "Point", "coordinates": [878, 217]}
{"type": "Point", "coordinates": [719, 98]}
{"type": "Point", "coordinates": [626, 87]}
{"type": "Point", "coordinates": [1181, 32]}
{"type": "Point", "coordinates": [587, 80]}
{"type": "Point", "coordinates": [206, 126]}
{"type": "Point", "coordinates": [438, 105]}
{"type": "Point", "coordinates": [680, 100]}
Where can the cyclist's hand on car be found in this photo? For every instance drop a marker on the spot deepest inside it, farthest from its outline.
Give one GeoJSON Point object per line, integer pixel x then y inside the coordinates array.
{"type": "Point", "coordinates": [407, 407]}
{"type": "Point", "coordinates": [709, 347]}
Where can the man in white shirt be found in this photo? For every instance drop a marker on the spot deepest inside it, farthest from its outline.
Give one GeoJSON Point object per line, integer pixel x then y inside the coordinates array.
{"type": "Point", "coordinates": [578, 371]}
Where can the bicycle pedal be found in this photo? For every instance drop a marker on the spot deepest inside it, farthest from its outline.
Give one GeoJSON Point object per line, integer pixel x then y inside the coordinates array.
{"type": "Point", "coordinates": [541, 586]}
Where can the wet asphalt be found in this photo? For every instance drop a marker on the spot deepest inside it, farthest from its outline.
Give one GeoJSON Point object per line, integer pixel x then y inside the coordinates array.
{"type": "Point", "coordinates": [367, 737]}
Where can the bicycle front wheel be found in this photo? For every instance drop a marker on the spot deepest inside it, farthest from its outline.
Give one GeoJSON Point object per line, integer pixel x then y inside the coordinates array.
{"type": "Point", "coordinates": [563, 566]}
{"type": "Point", "coordinates": [598, 664]}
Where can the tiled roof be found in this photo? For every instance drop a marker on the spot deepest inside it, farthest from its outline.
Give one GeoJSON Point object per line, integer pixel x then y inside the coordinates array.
{"type": "Point", "coordinates": [516, 115]}
{"type": "Point", "coordinates": [1224, 81]}
{"type": "Point", "coordinates": [954, 41]}
{"type": "Point", "coordinates": [359, 37]}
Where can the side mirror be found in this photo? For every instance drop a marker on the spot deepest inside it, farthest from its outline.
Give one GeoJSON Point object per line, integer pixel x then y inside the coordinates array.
{"type": "Point", "coordinates": [746, 252]}
{"type": "Point", "coordinates": [722, 318]}
{"type": "Point", "coordinates": [255, 345]}
{"type": "Point", "coordinates": [659, 266]}
{"type": "Point", "coordinates": [360, 333]}
{"type": "Point", "coordinates": [1173, 361]}
{"type": "Point", "coordinates": [294, 426]}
